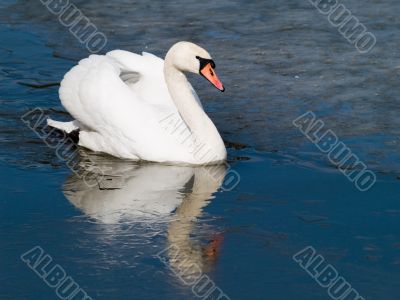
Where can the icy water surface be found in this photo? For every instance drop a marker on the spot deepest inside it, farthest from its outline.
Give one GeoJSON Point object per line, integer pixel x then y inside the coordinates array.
{"type": "Point", "coordinates": [277, 59]}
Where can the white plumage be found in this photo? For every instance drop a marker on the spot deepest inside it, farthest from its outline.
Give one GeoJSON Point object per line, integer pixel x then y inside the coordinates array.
{"type": "Point", "coordinates": [123, 105]}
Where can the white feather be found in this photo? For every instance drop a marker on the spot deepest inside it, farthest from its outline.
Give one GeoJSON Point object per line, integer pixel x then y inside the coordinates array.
{"type": "Point", "coordinates": [119, 102]}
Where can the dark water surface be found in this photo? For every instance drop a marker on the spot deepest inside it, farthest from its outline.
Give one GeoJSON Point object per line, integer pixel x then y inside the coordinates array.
{"type": "Point", "coordinates": [278, 59]}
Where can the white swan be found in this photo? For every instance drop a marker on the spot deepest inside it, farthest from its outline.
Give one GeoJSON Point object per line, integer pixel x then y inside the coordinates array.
{"type": "Point", "coordinates": [141, 107]}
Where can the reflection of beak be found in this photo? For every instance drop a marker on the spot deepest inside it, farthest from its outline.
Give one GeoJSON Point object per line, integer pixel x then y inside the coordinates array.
{"type": "Point", "coordinates": [213, 249]}
{"type": "Point", "coordinates": [209, 73]}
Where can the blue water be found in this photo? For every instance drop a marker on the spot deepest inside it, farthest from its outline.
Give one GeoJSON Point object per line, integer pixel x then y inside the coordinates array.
{"type": "Point", "coordinates": [278, 60]}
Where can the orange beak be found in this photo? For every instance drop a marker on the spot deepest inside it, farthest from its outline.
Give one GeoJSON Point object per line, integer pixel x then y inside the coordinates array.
{"type": "Point", "coordinates": [209, 73]}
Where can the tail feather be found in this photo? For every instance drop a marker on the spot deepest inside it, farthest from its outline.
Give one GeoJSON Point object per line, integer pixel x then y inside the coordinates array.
{"type": "Point", "coordinates": [68, 127]}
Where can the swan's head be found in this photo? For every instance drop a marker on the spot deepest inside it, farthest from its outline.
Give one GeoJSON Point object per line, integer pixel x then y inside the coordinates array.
{"type": "Point", "coordinates": [189, 57]}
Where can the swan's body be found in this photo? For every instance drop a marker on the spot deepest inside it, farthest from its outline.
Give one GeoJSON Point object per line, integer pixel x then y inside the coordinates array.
{"type": "Point", "coordinates": [141, 107]}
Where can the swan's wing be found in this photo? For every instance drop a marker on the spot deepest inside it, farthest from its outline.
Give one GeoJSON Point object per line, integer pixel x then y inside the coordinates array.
{"type": "Point", "coordinates": [96, 96]}
{"type": "Point", "coordinates": [141, 74]}
{"type": "Point", "coordinates": [116, 117]}
{"type": "Point", "coordinates": [144, 74]}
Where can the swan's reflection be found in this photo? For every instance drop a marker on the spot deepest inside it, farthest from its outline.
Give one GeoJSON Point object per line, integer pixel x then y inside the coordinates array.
{"type": "Point", "coordinates": [133, 193]}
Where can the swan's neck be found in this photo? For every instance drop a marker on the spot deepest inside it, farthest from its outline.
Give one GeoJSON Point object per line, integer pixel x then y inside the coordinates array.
{"type": "Point", "coordinates": [203, 131]}
{"type": "Point", "coordinates": [179, 89]}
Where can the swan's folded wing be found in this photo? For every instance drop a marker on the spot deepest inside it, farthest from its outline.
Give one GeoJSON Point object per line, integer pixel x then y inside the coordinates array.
{"type": "Point", "coordinates": [71, 85]}
{"type": "Point", "coordinates": [95, 95]}
{"type": "Point", "coordinates": [124, 119]}
{"type": "Point", "coordinates": [144, 74]}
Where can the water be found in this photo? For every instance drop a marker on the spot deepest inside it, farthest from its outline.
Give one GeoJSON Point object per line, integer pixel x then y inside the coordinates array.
{"type": "Point", "coordinates": [277, 59]}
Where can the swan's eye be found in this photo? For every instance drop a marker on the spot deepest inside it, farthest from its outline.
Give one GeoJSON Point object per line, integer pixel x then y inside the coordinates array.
{"type": "Point", "coordinates": [204, 62]}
